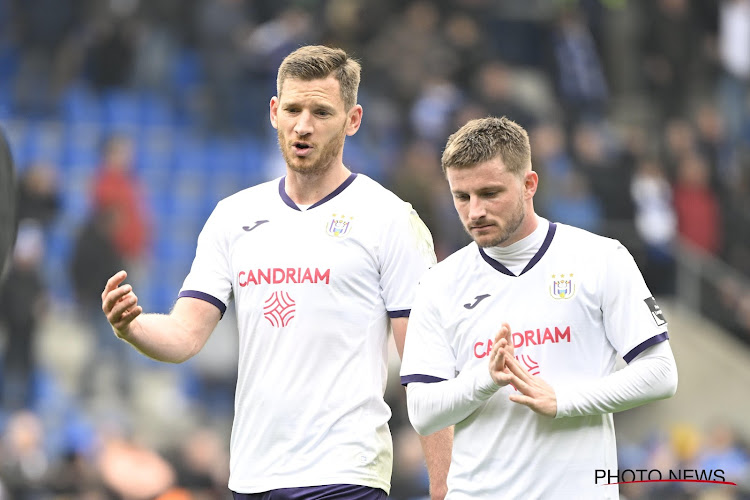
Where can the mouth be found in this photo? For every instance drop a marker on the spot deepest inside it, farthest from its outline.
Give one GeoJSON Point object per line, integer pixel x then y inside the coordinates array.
{"type": "Point", "coordinates": [480, 226]}
{"type": "Point", "coordinates": [302, 148]}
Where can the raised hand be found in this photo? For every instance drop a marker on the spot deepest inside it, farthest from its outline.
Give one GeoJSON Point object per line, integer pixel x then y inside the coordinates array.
{"type": "Point", "coordinates": [532, 390]}
{"type": "Point", "coordinates": [120, 304]}
{"type": "Point", "coordinates": [502, 349]}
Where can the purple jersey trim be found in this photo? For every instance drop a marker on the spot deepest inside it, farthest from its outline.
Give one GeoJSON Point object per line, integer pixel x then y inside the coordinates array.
{"type": "Point", "coordinates": [536, 258]}
{"type": "Point", "coordinates": [327, 492]}
{"type": "Point", "coordinates": [645, 345]}
{"type": "Point", "coordinates": [403, 313]}
{"type": "Point", "coordinates": [285, 197]}
{"type": "Point", "coordinates": [204, 296]}
{"type": "Point", "coordinates": [425, 379]}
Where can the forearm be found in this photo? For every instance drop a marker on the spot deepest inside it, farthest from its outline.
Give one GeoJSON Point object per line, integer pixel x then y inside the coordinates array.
{"type": "Point", "coordinates": [163, 338]}
{"type": "Point", "coordinates": [649, 377]}
{"type": "Point", "coordinates": [439, 405]}
{"type": "Point", "coordinates": [437, 448]}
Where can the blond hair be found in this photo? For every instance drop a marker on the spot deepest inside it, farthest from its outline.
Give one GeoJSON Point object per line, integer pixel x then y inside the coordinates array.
{"type": "Point", "coordinates": [313, 62]}
{"type": "Point", "coordinates": [484, 139]}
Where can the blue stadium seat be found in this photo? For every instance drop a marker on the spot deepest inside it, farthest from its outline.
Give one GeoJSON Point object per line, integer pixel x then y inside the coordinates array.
{"type": "Point", "coordinates": [80, 104]}
{"type": "Point", "coordinates": [155, 110]}
{"type": "Point", "coordinates": [120, 110]}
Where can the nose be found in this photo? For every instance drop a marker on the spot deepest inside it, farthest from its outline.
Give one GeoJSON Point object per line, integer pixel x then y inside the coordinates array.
{"type": "Point", "coordinates": [304, 125]}
{"type": "Point", "coordinates": [476, 208]}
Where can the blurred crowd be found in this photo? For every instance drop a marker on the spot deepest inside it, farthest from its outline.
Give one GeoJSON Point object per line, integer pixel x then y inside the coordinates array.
{"type": "Point", "coordinates": [638, 118]}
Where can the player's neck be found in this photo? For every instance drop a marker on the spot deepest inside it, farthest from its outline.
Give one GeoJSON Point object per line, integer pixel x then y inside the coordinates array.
{"type": "Point", "coordinates": [309, 188]}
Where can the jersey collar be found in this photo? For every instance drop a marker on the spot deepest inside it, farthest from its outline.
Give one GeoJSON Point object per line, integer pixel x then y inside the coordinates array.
{"type": "Point", "coordinates": [285, 197]}
{"type": "Point", "coordinates": [539, 254]}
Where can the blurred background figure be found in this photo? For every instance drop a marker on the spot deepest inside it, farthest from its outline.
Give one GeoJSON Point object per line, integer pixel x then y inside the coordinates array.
{"type": "Point", "coordinates": [118, 192]}
{"type": "Point", "coordinates": [39, 195]}
{"type": "Point", "coordinates": [23, 300]}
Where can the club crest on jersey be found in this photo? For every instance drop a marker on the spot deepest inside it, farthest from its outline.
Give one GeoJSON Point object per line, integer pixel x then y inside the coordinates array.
{"type": "Point", "coordinates": [339, 225]}
{"type": "Point", "coordinates": [562, 286]}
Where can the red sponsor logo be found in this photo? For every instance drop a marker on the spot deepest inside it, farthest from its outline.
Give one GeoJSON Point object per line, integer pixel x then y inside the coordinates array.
{"type": "Point", "coordinates": [539, 336]}
{"type": "Point", "coordinates": [278, 275]}
{"type": "Point", "coordinates": [279, 309]}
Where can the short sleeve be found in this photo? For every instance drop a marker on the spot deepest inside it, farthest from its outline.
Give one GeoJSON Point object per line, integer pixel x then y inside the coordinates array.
{"type": "Point", "coordinates": [405, 253]}
{"type": "Point", "coordinates": [428, 355]}
{"type": "Point", "coordinates": [633, 320]}
{"type": "Point", "coordinates": [210, 276]}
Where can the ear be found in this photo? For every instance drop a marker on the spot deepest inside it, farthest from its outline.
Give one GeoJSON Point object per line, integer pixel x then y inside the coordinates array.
{"type": "Point", "coordinates": [273, 111]}
{"type": "Point", "coordinates": [530, 183]}
{"type": "Point", "coordinates": [353, 119]}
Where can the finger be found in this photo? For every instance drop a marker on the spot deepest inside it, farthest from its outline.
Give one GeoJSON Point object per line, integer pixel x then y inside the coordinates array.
{"type": "Point", "coordinates": [509, 338]}
{"type": "Point", "coordinates": [519, 371]}
{"type": "Point", "coordinates": [503, 332]}
{"type": "Point", "coordinates": [522, 400]}
{"type": "Point", "coordinates": [114, 282]}
{"type": "Point", "coordinates": [497, 356]}
{"type": "Point", "coordinates": [121, 306]}
{"type": "Point", "coordinates": [114, 296]}
{"type": "Point", "coordinates": [128, 317]}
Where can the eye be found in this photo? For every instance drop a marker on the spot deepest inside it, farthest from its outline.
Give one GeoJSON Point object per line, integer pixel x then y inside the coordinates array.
{"type": "Point", "coordinates": [322, 112]}
{"type": "Point", "coordinates": [461, 196]}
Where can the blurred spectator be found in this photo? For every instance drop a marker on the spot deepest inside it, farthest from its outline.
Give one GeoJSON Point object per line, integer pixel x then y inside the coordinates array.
{"type": "Point", "coordinates": [418, 179]}
{"type": "Point", "coordinates": [430, 116]}
{"type": "Point", "coordinates": [44, 29]}
{"type": "Point", "coordinates": [95, 258]}
{"type": "Point", "coordinates": [38, 194]}
{"type": "Point", "coordinates": [202, 465]}
{"type": "Point", "coordinates": [23, 461]}
{"type": "Point", "coordinates": [468, 41]}
{"type": "Point", "coordinates": [656, 224]}
{"type": "Point", "coordinates": [22, 305]}
{"type": "Point", "coordinates": [131, 470]}
{"type": "Point", "coordinates": [118, 192]}
{"type": "Point", "coordinates": [572, 203]}
{"type": "Point", "coordinates": [609, 178]}
{"type": "Point", "coordinates": [734, 39]}
{"type": "Point", "coordinates": [110, 54]}
{"type": "Point", "coordinates": [670, 47]}
{"type": "Point", "coordinates": [495, 91]}
{"type": "Point", "coordinates": [551, 159]}
{"type": "Point", "coordinates": [222, 26]}
{"type": "Point", "coordinates": [724, 451]}
{"type": "Point", "coordinates": [735, 207]}
{"type": "Point", "coordinates": [74, 476]}
{"type": "Point", "coordinates": [408, 49]}
{"type": "Point", "coordinates": [679, 141]}
{"type": "Point", "coordinates": [581, 83]}
{"type": "Point", "coordinates": [409, 480]}
{"type": "Point", "coordinates": [696, 205]}
{"type": "Point", "coordinates": [712, 144]}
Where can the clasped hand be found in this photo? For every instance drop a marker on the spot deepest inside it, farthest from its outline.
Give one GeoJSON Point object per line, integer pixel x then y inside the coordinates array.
{"type": "Point", "coordinates": [505, 369]}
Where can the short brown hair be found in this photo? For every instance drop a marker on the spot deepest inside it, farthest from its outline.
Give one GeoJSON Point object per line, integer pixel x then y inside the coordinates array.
{"type": "Point", "coordinates": [483, 139]}
{"type": "Point", "coordinates": [313, 62]}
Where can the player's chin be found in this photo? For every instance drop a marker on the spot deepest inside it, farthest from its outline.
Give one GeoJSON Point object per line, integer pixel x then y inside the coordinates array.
{"type": "Point", "coordinates": [484, 237]}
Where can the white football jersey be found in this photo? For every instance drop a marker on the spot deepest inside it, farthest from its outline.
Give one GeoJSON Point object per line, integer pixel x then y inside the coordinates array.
{"type": "Point", "coordinates": [579, 303]}
{"type": "Point", "coordinates": [313, 292]}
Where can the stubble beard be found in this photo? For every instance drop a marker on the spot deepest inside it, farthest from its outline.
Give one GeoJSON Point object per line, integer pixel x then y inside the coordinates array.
{"type": "Point", "coordinates": [515, 221]}
{"type": "Point", "coordinates": [305, 166]}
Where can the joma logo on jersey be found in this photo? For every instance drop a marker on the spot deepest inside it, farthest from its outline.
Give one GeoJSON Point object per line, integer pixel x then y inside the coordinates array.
{"type": "Point", "coordinates": [562, 286]}
{"type": "Point", "coordinates": [539, 336]}
{"type": "Point", "coordinates": [339, 225]}
{"type": "Point", "coordinates": [283, 275]}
